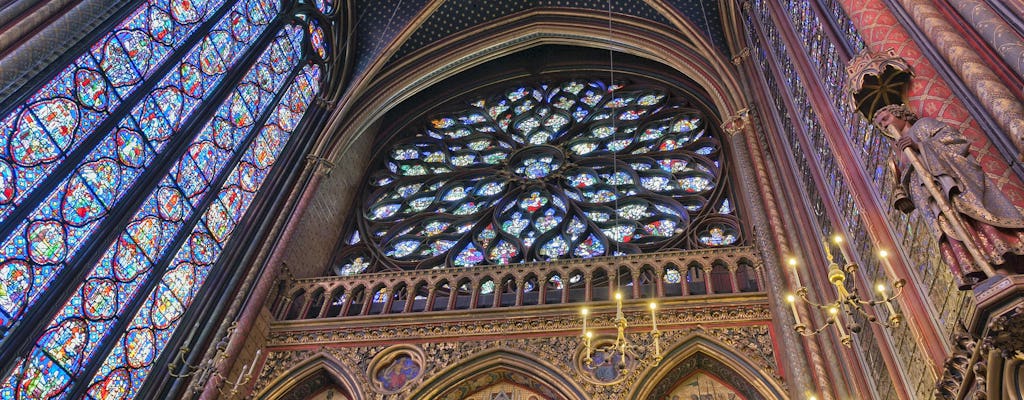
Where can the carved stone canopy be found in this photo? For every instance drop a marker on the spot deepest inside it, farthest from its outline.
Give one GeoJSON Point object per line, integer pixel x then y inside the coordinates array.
{"type": "Point", "coordinates": [875, 80]}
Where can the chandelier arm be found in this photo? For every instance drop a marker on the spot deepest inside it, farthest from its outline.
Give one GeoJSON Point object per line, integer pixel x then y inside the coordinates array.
{"type": "Point", "coordinates": [803, 296]}
{"type": "Point", "coordinates": [823, 306]}
{"type": "Point", "coordinates": [817, 331]}
{"type": "Point", "coordinates": [870, 317]}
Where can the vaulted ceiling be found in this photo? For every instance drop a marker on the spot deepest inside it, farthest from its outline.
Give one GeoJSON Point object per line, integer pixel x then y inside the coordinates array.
{"type": "Point", "coordinates": [378, 22]}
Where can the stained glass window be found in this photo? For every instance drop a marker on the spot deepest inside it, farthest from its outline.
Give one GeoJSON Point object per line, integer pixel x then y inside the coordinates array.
{"type": "Point", "coordinates": [61, 224]}
{"type": "Point", "coordinates": [576, 169]}
{"type": "Point", "coordinates": [122, 131]}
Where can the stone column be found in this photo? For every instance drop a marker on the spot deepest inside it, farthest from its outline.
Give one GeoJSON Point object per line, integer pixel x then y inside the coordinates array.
{"type": "Point", "coordinates": [990, 91]}
{"type": "Point", "coordinates": [708, 287]}
{"type": "Point", "coordinates": [995, 30]}
{"type": "Point", "coordinates": [751, 166]}
{"type": "Point", "coordinates": [732, 278]}
{"type": "Point", "coordinates": [928, 94]}
{"type": "Point", "coordinates": [431, 295]}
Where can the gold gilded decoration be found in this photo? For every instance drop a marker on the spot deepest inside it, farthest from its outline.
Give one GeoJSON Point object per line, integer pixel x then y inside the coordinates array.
{"type": "Point", "coordinates": [738, 122]}
{"type": "Point", "coordinates": [739, 57]}
{"type": "Point", "coordinates": [444, 358]}
{"type": "Point", "coordinates": [392, 329]}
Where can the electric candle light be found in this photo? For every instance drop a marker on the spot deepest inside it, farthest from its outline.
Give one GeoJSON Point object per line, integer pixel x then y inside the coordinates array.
{"type": "Point", "coordinates": [796, 271]}
{"type": "Point", "coordinates": [885, 297]}
{"type": "Point", "coordinates": [618, 305]}
{"type": "Point", "coordinates": [792, 306]}
{"type": "Point", "coordinates": [654, 317]}
{"type": "Point", "coordinates": [847, 300]}
{"type": "Point", "coordinates": [584, 311]}
{"type": "Point", "coordinates": [842, 248]}
{"type": "Point", "coordinates": [839, 323]}
{"type": "Point", "coordinates": [884, 255]}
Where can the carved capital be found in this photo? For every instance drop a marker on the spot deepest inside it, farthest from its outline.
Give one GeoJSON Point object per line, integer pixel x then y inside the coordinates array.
{"type": "Point", "coordinates": [1006, 333]}
{"type": "Point", "coordinates": [321, 165]}
{"type": "Point", "coordinates": [324, 103]}
{"type": "Point", "coordinates": [739, 57]}
{"type": "Point", "coordinates": [736, 123]}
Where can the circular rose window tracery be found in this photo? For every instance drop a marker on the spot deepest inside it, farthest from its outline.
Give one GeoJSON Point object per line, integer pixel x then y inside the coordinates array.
{"type": "Point", "coordinates": [572, 170]}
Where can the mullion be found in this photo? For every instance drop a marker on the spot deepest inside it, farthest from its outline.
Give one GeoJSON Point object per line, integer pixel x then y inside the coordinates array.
{"type": "Point", "coordinates": [54, 69]}
{"type": "Point", "coordinates": [80, 386]}
{"type": "Point", "coordinates": [20, 339]}
{"type": "Point", "coordinates": [44, 187]}
{"type": "Point", "coordinates": [207, 302]}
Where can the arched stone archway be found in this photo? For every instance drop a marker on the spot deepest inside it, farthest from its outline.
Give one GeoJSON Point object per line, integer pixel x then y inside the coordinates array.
{"type": "Point", "coordinates": [497, 367]}
{"type": "Point", "coordinates": [314, 376]}
{"type": "Point", "coordinates": [703, 354]}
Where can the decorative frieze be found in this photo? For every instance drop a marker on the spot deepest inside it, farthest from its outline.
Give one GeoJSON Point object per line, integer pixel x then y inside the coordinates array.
{"type": "Point", "coordinates": [444, 357]}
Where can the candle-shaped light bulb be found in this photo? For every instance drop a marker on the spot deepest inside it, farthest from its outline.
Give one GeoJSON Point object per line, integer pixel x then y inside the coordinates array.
{"type": "Point", "coordinates": [618, 306]}
{"type": "Point", "coordinates": [883, 253]}
{"type": "Point", "coordinates": [833, 311]}
{"type": "Point", "coordinates": [587, 335]}
{"type": "Point", "coordinates": [839, 325]}
{"type": "Point", "coordinates": [881, 289]}
{"type": "Point", "coordinates": [584, 311]}
{"type": "Point", "coordinates": [842, 248]}
{"type": "Point", "coordinates": [654, 316]}
{"type": "Point", "coordinates": [796, 273]}
{"type": "Point", "coordinates": [792, 307]}
{"type": "Point", "coordinates": [250, 368]}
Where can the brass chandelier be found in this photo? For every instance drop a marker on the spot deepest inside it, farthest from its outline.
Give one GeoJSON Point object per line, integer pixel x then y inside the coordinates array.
{"type": "Point", "coordinates": [622, 348]}
{"type": "Point", "coordinates": [841, 313]}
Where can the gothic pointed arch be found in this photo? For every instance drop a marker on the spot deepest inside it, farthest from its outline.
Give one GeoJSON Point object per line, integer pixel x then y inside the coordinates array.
{"type": "Point", "coordinates": [706, 355]}
{"type": "Point", "coordinates": [310, 377]}
{"type": "Point", "coordinates": [493, 367]}
{"type": "Point", "coordinates": [693, 58]}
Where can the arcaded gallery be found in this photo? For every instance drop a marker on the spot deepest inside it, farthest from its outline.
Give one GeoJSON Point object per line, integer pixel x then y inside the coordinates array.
{"type": "Point", "coordinates": [512, 199]}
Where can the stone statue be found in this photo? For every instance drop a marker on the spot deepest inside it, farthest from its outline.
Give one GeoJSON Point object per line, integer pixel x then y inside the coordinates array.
{"type": "Point", "coordinates": [991, 222]}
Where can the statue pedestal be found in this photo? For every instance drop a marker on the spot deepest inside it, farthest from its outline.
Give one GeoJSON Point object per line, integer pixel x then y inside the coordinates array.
{"type": "Point", "coordinates": [998, 317]}
{"type": "Point", "coordinates": [999, 302]}
{"type": "Point", "coordinates": [986, 362]}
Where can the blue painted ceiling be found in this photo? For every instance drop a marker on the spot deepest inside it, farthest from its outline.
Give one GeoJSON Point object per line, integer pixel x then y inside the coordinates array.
{"type": "Point", "coordinates": [378, 21]}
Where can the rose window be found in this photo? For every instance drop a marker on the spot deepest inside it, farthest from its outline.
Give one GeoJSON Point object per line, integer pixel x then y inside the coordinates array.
{"type": "Point", "coordinates": [544, 172]}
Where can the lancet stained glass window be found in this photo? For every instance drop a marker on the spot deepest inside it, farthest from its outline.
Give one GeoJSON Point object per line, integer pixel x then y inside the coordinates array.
{"type": "Point", "coordinates": [143, 126]}
{"type": "Point", "coordinates": [575, 169]}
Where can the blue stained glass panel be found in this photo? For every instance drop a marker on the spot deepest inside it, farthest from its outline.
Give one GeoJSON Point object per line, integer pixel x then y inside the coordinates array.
{"type": "Point", "coordinates": [191, 264]}
{"type": "Point", "coordinates": [664, 154]}
{"type": "Point", "coordinates": [39, 133]}
{"type": "Point", "coordinates": [137, 139]}
{"type": "Point", "coordinates": [148, 235]}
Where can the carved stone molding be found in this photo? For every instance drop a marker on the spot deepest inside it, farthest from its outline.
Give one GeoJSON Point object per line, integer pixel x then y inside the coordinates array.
{"type": "Point", "coordinates": [955, 368]}
{"type": "Point", "coordinates": [504, 322]}
{"type": "Point", "coordinates": [1006, 333]}
{"type": "Point", "coordinates": [446, 357]}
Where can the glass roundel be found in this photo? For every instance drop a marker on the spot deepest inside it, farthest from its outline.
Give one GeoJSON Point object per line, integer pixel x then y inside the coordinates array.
{"type": "Point", "coordinates": [573, 170]}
